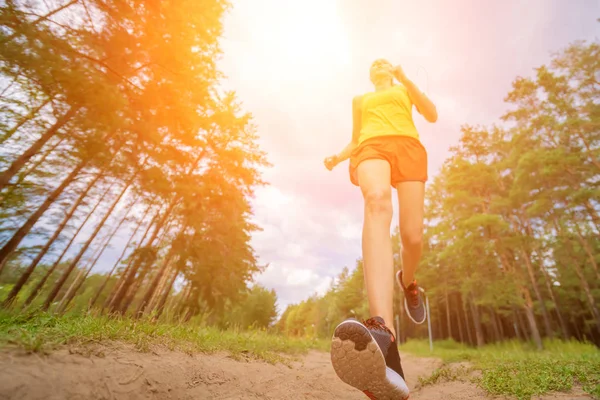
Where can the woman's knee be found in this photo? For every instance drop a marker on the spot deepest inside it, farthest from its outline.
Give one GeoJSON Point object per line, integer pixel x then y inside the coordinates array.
{"type": "Point", "coordinates": [412, 238]}
{"type": "Point", "coordinates": [378, 201]}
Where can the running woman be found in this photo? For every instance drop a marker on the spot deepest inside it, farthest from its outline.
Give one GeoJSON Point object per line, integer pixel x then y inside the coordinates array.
{"type": "Point", "coordinates": [385, 151]}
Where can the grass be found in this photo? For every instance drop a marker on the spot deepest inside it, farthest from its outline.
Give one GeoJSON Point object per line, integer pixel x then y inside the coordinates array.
{"type": "Point", "coordinates": [509, 368]}
{"type": "Point", "coordinates": [44, 332]}
{"type": "Point", "coordinates": [517, 369]}
{"type": "Point", "coordinates": [448, 373]}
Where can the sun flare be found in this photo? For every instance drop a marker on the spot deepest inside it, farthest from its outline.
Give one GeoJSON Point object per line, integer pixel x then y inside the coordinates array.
{"type": "Point", "coordinates": [299, 38]}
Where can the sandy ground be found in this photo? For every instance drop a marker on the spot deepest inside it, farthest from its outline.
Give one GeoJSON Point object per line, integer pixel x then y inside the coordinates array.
{"type": "Point", "coordinates": [119, 372]}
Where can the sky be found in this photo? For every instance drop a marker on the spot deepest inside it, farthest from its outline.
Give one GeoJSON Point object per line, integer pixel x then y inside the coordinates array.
{"type": "Point", "coordinates": [296, 65]}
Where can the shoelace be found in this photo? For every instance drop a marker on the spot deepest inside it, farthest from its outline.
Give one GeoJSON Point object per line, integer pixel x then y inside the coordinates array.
{"type": "Point", "coordinates": [373, 323]}
{"type": "Point", "coordinates": [413, 297]}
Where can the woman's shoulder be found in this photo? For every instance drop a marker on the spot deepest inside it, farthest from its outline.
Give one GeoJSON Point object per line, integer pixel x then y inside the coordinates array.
{"type": "Point", "coordinates": [400, 88]}
{"type": "Point", "coordinates": [358, 100]}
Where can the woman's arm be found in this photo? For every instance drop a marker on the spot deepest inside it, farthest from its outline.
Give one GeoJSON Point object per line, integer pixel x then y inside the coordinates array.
{"type": "Point", "coordinates": [422, 102]}
{"type": "Point", "coordinates": [331, 162]}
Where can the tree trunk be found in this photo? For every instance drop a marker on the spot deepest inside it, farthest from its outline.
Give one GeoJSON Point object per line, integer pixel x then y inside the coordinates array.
{"type": "Point", "coordinates": [500, 325]}
{"type": "Point", "coordinates": [494, 323]}
{"type": "Point", "coordinates": [77, 283]}
{"type": "Point", "coordinates": [593, 215]}
{"type": "Point", "coordinates": [528, 307]}
{"type": "Point", "coordinates": [121, 281]}
{"type": "Point", "coordinates": [154, 283]}
{"type": "Point", "coordinates": [21, 177]}
{"type": "Point", "coordinates": [119, 284]}
{"type": "Point", "coordinates": [523, 327]}
{"type": "Point", "coordinates": [70, 291]}
{"type": "Point", "coordinates": [73, 289]}
{"type": "Point", "coordinates": [18, 236]}
{"type": "Point", "coordinates": [538, 295]}
{"type": "Point", "coordinates": [561, 321]}
{"type": "Point", "coordinates": [165, 294]}
{"type": "Point", "coordinates": [448, 319]}
{"type": "Point", "coordinates": [12, 170]}
{"type": "Point", "coordinates": [588, 294]}
{"type": "Point", "coordinates": [25, 276]}
{"type": "Point", "coordinates": [129, 278]}
{"type": "Point", "coordinates": [137, 283]}
{"type": "Point", "coordinates": [39, 162]}
{"type": "Point", "coordinates": [183, 300]}
{"type": "Point", "coordinates": [578, 334]}
{"type": "Point", "coordinates": [517, 325]}
{"type": "Point", "coordinates": [440, 323]}
{"type": "Point", "coordinates": [465, 313]}
{"type": "Point", "coordinates": [24, 120]}
{"type": "Point", "coordinates": [74, 263]}
{"type": "Point", "coordinates": [82, 274]}
{"type": "Point", "coordinates": [192, 303]}
{"type": "Point", "coordinates": [477, 323]}
{"type": "Point", "coordinates": [588, 251]}
{"type": "Point", "coordinates": [56, 263]}
{"type": "Point", "coordinates": [116, 264]}
{"type": "Point", "coordinates": [583, 281]}
{"type": "Point", "coordinates": [161, 287]}
{"type": "Point", "coordinates": [459, 321]}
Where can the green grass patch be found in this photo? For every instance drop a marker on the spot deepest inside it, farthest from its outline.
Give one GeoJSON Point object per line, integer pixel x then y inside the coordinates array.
{"type": "Point", "coordinates": [447, 373]}
{"type": "Point", "coordinates": [44, 332]}
{"type": "Point", "coordinates": [517, 369]}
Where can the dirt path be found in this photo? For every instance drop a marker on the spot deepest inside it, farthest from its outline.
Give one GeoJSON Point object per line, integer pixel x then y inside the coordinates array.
{"type": "Point", "coordinates": [118, 372]}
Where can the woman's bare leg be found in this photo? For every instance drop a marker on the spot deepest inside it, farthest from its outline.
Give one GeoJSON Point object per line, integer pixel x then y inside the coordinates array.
{"type": "Point", "coordinates": [411, 199]}
{"type": "Point", "coordinates": [374, 181]}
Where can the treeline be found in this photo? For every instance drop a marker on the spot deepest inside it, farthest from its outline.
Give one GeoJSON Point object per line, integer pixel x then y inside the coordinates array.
{"type": "Point", "coordinates": [512, 237]}
{"type": "Point", "coordinates": [115, 136]}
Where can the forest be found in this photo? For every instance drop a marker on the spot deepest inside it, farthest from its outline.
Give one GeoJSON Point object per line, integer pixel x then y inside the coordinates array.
{"type": "Point", "coordinates": [117, 137]}
{"type": "Point", "coordinates": [512, 230]}
{"type": "Point", "coordinates": [128, 180]}
{"type": "Point", "coordinates": [115, 134]}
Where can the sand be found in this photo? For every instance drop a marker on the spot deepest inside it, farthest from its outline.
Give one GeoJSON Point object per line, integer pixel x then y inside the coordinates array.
{"type": "Point", "coordinates": [117, 371]}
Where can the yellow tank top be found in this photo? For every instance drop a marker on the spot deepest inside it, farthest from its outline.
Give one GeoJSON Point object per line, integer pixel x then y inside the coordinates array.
{"type": "Point", "coordinates": [387, 113]}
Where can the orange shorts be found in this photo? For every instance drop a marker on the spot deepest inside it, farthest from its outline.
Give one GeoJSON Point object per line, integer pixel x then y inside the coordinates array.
{"type": "Point", "coordinates": [406, 155]}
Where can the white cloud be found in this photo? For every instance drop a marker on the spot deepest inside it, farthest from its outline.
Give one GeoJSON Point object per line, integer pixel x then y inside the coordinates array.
{"type": "Point", "coordinates": [303, 241]}
{"type": "Point", "coordinates": [299, 277]}
{"type": "Point", "coordinates": [296, 66]}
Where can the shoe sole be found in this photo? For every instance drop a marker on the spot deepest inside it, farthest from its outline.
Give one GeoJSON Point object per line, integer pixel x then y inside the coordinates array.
{"type": "Point", "coordinates": [406, 303]}
{"type": "Point", "coordinates": [359, 362]}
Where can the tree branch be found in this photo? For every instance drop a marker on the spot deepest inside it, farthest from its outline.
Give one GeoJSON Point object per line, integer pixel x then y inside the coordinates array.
{"type": "Point", "coordinates": [43, 18]}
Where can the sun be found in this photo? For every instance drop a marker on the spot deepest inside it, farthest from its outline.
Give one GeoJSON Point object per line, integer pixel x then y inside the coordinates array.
{"type": "Point", "coordinates": [302, 37]}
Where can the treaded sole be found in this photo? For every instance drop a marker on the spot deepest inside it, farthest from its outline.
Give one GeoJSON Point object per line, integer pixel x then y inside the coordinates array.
{"type": "Point", "coordinates": [358, 361]}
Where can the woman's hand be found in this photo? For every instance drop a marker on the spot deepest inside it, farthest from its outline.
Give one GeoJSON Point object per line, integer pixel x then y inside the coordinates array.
{"type": "Point", "coordinates": [399, 74]}
{"type": "Point", "coordinates": [331, 162]}
{"type": "Point", "coordinates": [419, 99]}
